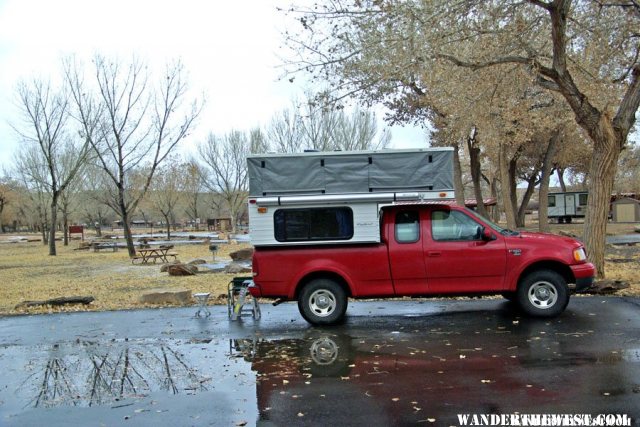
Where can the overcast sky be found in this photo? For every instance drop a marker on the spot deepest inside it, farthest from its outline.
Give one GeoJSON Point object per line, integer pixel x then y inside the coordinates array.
{"type": "Point", "coordinates": [230, 49]}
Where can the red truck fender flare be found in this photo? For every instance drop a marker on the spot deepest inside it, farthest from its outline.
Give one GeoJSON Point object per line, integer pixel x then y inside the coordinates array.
{"type": "Point", "coordinates": [326, 271]}
{"type": "Point", "coordinates": [514, 277]}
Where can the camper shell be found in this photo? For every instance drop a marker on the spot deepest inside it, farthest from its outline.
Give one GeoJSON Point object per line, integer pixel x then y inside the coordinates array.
{"type": "Point", "coordinates": [563, 207]}
{"type": "Point", "coordinates": [328, 198]}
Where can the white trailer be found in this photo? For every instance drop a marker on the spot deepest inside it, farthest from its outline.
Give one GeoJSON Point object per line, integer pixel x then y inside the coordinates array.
{"type": "Point", "coordinates": [564, 207]}
{"type": "Point", "coordinates": [322, 198]}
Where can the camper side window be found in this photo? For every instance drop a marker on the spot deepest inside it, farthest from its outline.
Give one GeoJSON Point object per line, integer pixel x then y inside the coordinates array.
{"type": "Point", "coordinates": [552, 201]}
{"type": "Point", "coordinates": [299, 225]}
{"type": "Point", "coordinates": [582, 199]}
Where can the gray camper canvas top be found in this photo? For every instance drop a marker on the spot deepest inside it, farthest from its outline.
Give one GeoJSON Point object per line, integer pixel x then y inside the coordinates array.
{"type": "Point", "coordinates": [350, 172]}
{"type": "Point", "coordinates": [353, 185]}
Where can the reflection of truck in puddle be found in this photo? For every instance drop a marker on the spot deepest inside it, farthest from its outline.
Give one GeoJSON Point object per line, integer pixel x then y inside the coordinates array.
{"type": "Point", "coordinates": [399, 378]}
{"type": "Point", "coordinates": [385, 382]}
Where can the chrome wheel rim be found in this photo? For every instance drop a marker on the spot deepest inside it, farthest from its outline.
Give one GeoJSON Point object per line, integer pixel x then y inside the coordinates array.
{"type": "Point", "coordinates": [543, 295]}
{"type": "Point", "coordinates": [322, 303]}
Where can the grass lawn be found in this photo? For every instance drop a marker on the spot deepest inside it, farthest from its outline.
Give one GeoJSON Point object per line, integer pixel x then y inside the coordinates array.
{"type": "Point", "coordinates": [28, 273]}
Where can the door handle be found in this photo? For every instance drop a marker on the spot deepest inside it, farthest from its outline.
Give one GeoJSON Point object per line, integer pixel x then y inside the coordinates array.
{"type": "Point", "coordinates": [434, 253]}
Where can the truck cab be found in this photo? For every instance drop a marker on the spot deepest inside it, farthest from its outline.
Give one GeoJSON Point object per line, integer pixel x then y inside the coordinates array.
{"type": "Point", "coordinates": [426, 249]}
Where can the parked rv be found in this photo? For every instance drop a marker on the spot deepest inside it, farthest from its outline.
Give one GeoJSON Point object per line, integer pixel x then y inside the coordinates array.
{"type": "Point", "coordinates": [329, 226]}
{"type": "Point", "coordinates": [564, 207]}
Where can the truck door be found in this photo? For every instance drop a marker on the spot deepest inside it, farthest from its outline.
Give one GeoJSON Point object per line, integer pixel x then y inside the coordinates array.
{"type": "Point", "coordinates": [406, 258]}
{"type": "Point", "coordinates": [457, 260]}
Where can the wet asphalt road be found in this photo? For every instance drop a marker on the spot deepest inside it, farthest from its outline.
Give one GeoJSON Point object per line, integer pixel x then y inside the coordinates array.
{"type": "Point", "coordinates": [391, 363]}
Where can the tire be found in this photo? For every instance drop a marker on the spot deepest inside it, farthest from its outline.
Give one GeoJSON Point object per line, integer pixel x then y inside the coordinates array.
{"type": "Point", "coordinates": [543, 293]}
{"type": "Point", "coordinates": [322, 302]}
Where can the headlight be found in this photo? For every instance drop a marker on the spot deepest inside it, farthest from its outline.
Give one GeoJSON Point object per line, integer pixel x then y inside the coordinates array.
{"type": "Point", "coordinates": [579, 254]}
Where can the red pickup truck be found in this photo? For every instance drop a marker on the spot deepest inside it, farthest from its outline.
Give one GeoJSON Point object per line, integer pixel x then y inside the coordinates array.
{"type": "Point", "coordinates": [426, 249]}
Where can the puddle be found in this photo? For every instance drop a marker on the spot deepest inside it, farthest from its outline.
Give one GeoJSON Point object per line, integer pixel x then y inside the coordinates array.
{"type": "Point", "coordinates": [394, 370]}
{"type": "Point", "coordinates": [90, 374]}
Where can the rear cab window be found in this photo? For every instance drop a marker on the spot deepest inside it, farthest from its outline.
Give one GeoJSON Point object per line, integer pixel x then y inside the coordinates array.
{"type": "Point", "coordinates": [407, 227]}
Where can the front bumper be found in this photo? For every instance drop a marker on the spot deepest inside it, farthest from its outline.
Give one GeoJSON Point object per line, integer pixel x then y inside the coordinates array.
{"type": "Point", "coordinates": [585, 275]}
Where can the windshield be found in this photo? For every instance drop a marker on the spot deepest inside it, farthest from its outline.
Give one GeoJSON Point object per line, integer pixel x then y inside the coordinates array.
{"type": "Point", "coordinates": [496, 227]}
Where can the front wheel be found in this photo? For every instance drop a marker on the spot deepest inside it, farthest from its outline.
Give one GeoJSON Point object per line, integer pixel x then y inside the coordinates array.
{"type": "Point", "coordinates": [322, 302]}
{"type": "Point", "coordinates": [543, 293]}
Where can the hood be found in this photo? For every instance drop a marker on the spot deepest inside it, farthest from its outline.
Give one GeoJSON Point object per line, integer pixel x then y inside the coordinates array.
{"type": "Point", "coordinates": [545, 239]}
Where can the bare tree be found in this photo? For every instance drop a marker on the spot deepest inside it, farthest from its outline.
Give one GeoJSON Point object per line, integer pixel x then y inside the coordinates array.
{"type": "Point", "coordinates": [31, 174]}
{"type": "Point", "coordinates": [313, 125]}
{"type": "Point", "coordinates": [193, 189]}
{"type": "Point", "coordinates": [224, 167]}
{"type": "Point", "coordinates": [59, 155]}
{"type": "Point", "coordinates": [167, 189]}
{"type": "Point", "coordinates": [94, 196]}
{"type": "Point", "coordinates": [7, 199]}
{"type": "Point", "coordinates": [285, 131]}
{"type": "Point", "coordinates": [131, 125]}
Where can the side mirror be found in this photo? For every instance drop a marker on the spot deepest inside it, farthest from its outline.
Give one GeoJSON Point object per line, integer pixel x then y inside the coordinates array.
{"type": "Point", "coordinates": [487, 235]}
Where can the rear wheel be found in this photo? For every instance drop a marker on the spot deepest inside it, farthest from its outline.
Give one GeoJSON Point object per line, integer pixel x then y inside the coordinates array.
{"type": "Point", "coordinates": [543, 293]}
{"type": "Point", "coordinates": [322, 302]}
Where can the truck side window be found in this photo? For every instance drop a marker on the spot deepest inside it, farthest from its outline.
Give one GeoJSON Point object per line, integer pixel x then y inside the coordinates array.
{"type": "Point", "coordinates": [407, 227]}
{"type": "Point", "coordinates": [453, 226]}
{"type": "Point", "coordinates": [297, 225]}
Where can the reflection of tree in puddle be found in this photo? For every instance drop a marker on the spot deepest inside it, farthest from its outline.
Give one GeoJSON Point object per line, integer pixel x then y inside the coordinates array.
{"type": "Point", "coordinates": [88, 374]}
{"type": "Point", "coordinates": [55, 386]}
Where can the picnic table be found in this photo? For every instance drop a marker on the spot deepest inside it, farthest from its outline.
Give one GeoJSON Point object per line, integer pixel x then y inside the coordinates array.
{"type": "Point", "coordinates": [161, 253]}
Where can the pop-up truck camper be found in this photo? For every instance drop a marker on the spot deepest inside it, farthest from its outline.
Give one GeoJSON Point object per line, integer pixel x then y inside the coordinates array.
{"type": "Point", "coordinates": [327, 226]}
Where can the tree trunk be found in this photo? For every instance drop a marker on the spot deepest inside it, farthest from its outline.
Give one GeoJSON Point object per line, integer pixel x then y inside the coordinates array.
{"type": "Point", "coordinates": [526, 198]}
{"type": "Point", "coordinates": [126, 228]}
{"type": "Point", "coordinates": [458, 186]}
{"type": "Point", "coordinates": [495, 212]}
{"type": "Point", "coordinates": [513, 184]}
{"type": "Point", "coordinates": [65, 225]}
{"type": "Point", "coordinates": [166, 219]}
{"type": "Point", "coordinates": [54, 218]}
{"type": "Point", "coordinates": [543, 194]}
{"type": "Point", "coordinates": [43, 231]}
{"type": "Point", "coordinates": [560, 174]}
{"type": "Point", "coordinates": [505, 187]}
{"type": "Point", "coordinates": [606, 152]}
{"type": "Point", "coordinates": [476, 172]}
